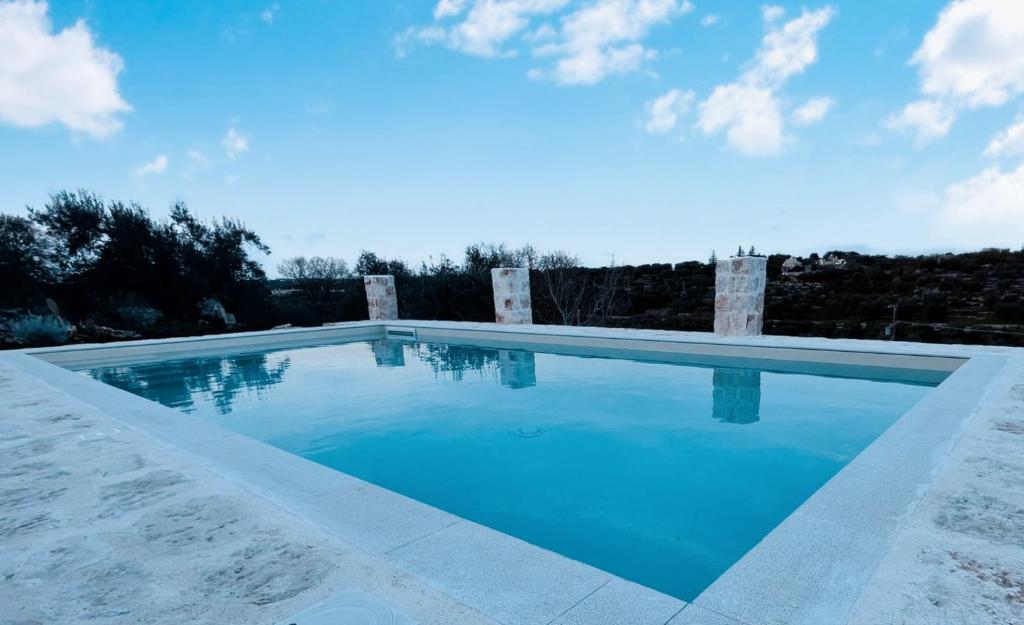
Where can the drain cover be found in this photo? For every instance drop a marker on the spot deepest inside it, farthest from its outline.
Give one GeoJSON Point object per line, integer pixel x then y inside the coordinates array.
{"type": "Point", "coordinates": [529, 431]}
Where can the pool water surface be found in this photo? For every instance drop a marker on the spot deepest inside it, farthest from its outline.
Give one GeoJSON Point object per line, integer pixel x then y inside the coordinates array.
{"type": "Point", "coordinates": [664, 474]}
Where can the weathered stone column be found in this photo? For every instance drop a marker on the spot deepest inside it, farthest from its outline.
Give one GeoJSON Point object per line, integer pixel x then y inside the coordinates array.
{"type": "Point", "coordinates": [739, 295]}
{"type": "Point", "coordinates": [381, 297]}
{"type": "Point", "coordinates": [512, 295]}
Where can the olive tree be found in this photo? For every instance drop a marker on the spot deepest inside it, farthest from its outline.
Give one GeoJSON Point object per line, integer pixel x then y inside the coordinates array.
{"type": "Point", "coordinates": [317, 277]}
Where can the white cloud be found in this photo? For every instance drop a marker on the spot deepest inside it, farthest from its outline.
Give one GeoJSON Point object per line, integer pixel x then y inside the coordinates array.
{"type": "Point", "coordinates": [594, 39]}
{"type": "Point", "coordinates": [813, 111]}
{"type": "Point", "coordinates": [663, 112]}
{"type": "Point", "coordinates": [601, 38]}
{"type": "Point", "coordinates": [975, 53]}
{"type": "Point", "coordinates": [772, 12]}
{"type": "Point", "coordinates": [428, 35]}
{"type": "Point", "coordinates": [790, 49]}
{"type": "Point", "coordinates": [448, 8]}
{"type": "Point", "coordinates": [929, 119]}
{"type": "Point", "coordinates": [987, 209]}
{"type": "Point", "coordinates": [544, 32]}
{"type": "Point", "coordinates": [155, 166]}
{"type": "Point", "coordinates": [588, 66]}
{"type": "Point", "coordinates": [709, 20]}
{"type": "Point", "coordinates": [1009, 142]}
{"type": "Point", "coordinates": [196, 160]}
{"type": "Point", "coordinates": [48, 77]}
{"type": "Point", "coordinates": [747, 110]}
{"type": "Point", "coordinates": [487, 26]}
{"type": "Point", "coordinates": [235, 143]}
{"type": "Point", "coordinates": [198, 157]}
{"type": "Point", "coordinates": [972, 57]}
{"type": "Point", "coordinates": [749, 115]}
{"type": "Point", "coordinates": [267, 15]}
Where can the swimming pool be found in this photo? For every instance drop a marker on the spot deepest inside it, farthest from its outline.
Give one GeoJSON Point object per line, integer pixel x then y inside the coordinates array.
{"type": "Point", "coordinates": [665, 474]}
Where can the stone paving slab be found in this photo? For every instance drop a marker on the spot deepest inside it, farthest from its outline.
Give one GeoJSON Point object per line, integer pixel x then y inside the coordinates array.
{"type": "Point", "coordinates": [696, 615]}
{"type": "Point", "coordinates": [960, 558]}
{"type": "Point", "coordinates": [363, 515]}
{"type": "Point", "coordinates": [501, 575]}
{"type": "Point", "coordinates": [99, 524]}
{"type": "Point", "coordinates": [620, 602]}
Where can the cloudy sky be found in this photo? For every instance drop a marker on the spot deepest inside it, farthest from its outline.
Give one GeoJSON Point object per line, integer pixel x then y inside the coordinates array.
{"type": "Point", "coordinates": [651, 130]}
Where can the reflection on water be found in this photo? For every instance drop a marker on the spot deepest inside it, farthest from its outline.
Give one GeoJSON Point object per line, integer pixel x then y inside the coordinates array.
{"type": "Point", "coordinates": [179, 384]}
{"type": "Point", "coordinates": [454, 361]}
{"type": "Point", "coordinates": [222, 379]}
{"type": "Point", "coordinates": [517, 369]}
{"type": "Point", "coordinates": [737, 395]}
{"type": "Point", "coordinates": [388, 353]}
{"type": "Point", "coordinates": [635, 467]}
{"type": "Point", "coordinates": [514, 368]}
{"type": "Point", "coordinates": [736, 392]}
{"type": "Point", "coordinates": [511, 367]}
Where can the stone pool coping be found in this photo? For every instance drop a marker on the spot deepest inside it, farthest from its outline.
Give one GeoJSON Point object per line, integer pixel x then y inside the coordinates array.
{"type": "Point", "coordinates": [812, 568]}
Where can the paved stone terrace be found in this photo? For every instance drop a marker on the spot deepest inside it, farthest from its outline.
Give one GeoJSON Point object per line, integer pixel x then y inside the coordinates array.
{"type": "Point", "coordinates": [960, 558]}
{"type": "Point", "coordinates": [100, 524]}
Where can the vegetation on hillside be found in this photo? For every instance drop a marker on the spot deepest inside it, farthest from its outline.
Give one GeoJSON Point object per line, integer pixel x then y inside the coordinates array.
{"type": "Point", "coordinates": [111, 265]}
{"type": "Point", "coordinates": [84, 269]}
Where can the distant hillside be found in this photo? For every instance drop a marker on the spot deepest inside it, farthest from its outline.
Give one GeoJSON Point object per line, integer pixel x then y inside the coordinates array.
{"type": "Point", "coordinates": [82, 269]}
{"type": "Point", "coordinates": [975, 297]}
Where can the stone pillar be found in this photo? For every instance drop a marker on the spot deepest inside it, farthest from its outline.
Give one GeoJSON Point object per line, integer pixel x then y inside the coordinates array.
{"type": "Point", "coordinates": [739, 295]}
{"type": "Point", "coordinates": [381, 298]}
{"type": "Point", "coordinates": [517, 369]}
{"type": "Point", "coordinates": [512, 295]}
{"type": "Point", "coordinates": [736, 395]}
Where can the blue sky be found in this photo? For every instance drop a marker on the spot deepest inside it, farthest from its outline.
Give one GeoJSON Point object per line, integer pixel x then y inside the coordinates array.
{"type": "Point", "coordinates": [651, 130]}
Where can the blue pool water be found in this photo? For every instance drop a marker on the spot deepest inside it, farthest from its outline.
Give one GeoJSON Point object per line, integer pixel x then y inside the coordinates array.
{"type": "Point", "coordinates": [664, 474]}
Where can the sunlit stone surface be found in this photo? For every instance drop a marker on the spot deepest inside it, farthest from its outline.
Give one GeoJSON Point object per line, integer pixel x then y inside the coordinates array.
{"type": "Point", "coordinates": [101, 524]}
{"type": "Point", "coordinates": [381, 297]}
{"type": "Point", "coordinates": [739, 295]}
{"type": "Point", "coordinates": [512, 295]}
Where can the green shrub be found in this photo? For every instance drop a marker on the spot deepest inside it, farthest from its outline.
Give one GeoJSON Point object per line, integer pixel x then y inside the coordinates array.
{"type": "Point", "coordinates": [40, 330]}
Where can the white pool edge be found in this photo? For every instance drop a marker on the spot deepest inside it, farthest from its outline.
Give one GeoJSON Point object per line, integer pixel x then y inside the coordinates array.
{"type": "Point", "coordinates": [809, 569]}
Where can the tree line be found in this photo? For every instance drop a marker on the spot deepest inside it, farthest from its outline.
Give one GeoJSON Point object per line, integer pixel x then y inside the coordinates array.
{"type": "Point", "coordinates": [565, 292]}
{"type": "Point", "coordinates": [85, 269]}
{"type": "Point", "coordinates": [111, 263]}
{"type": "Point", "coordinates": [103, 269]}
